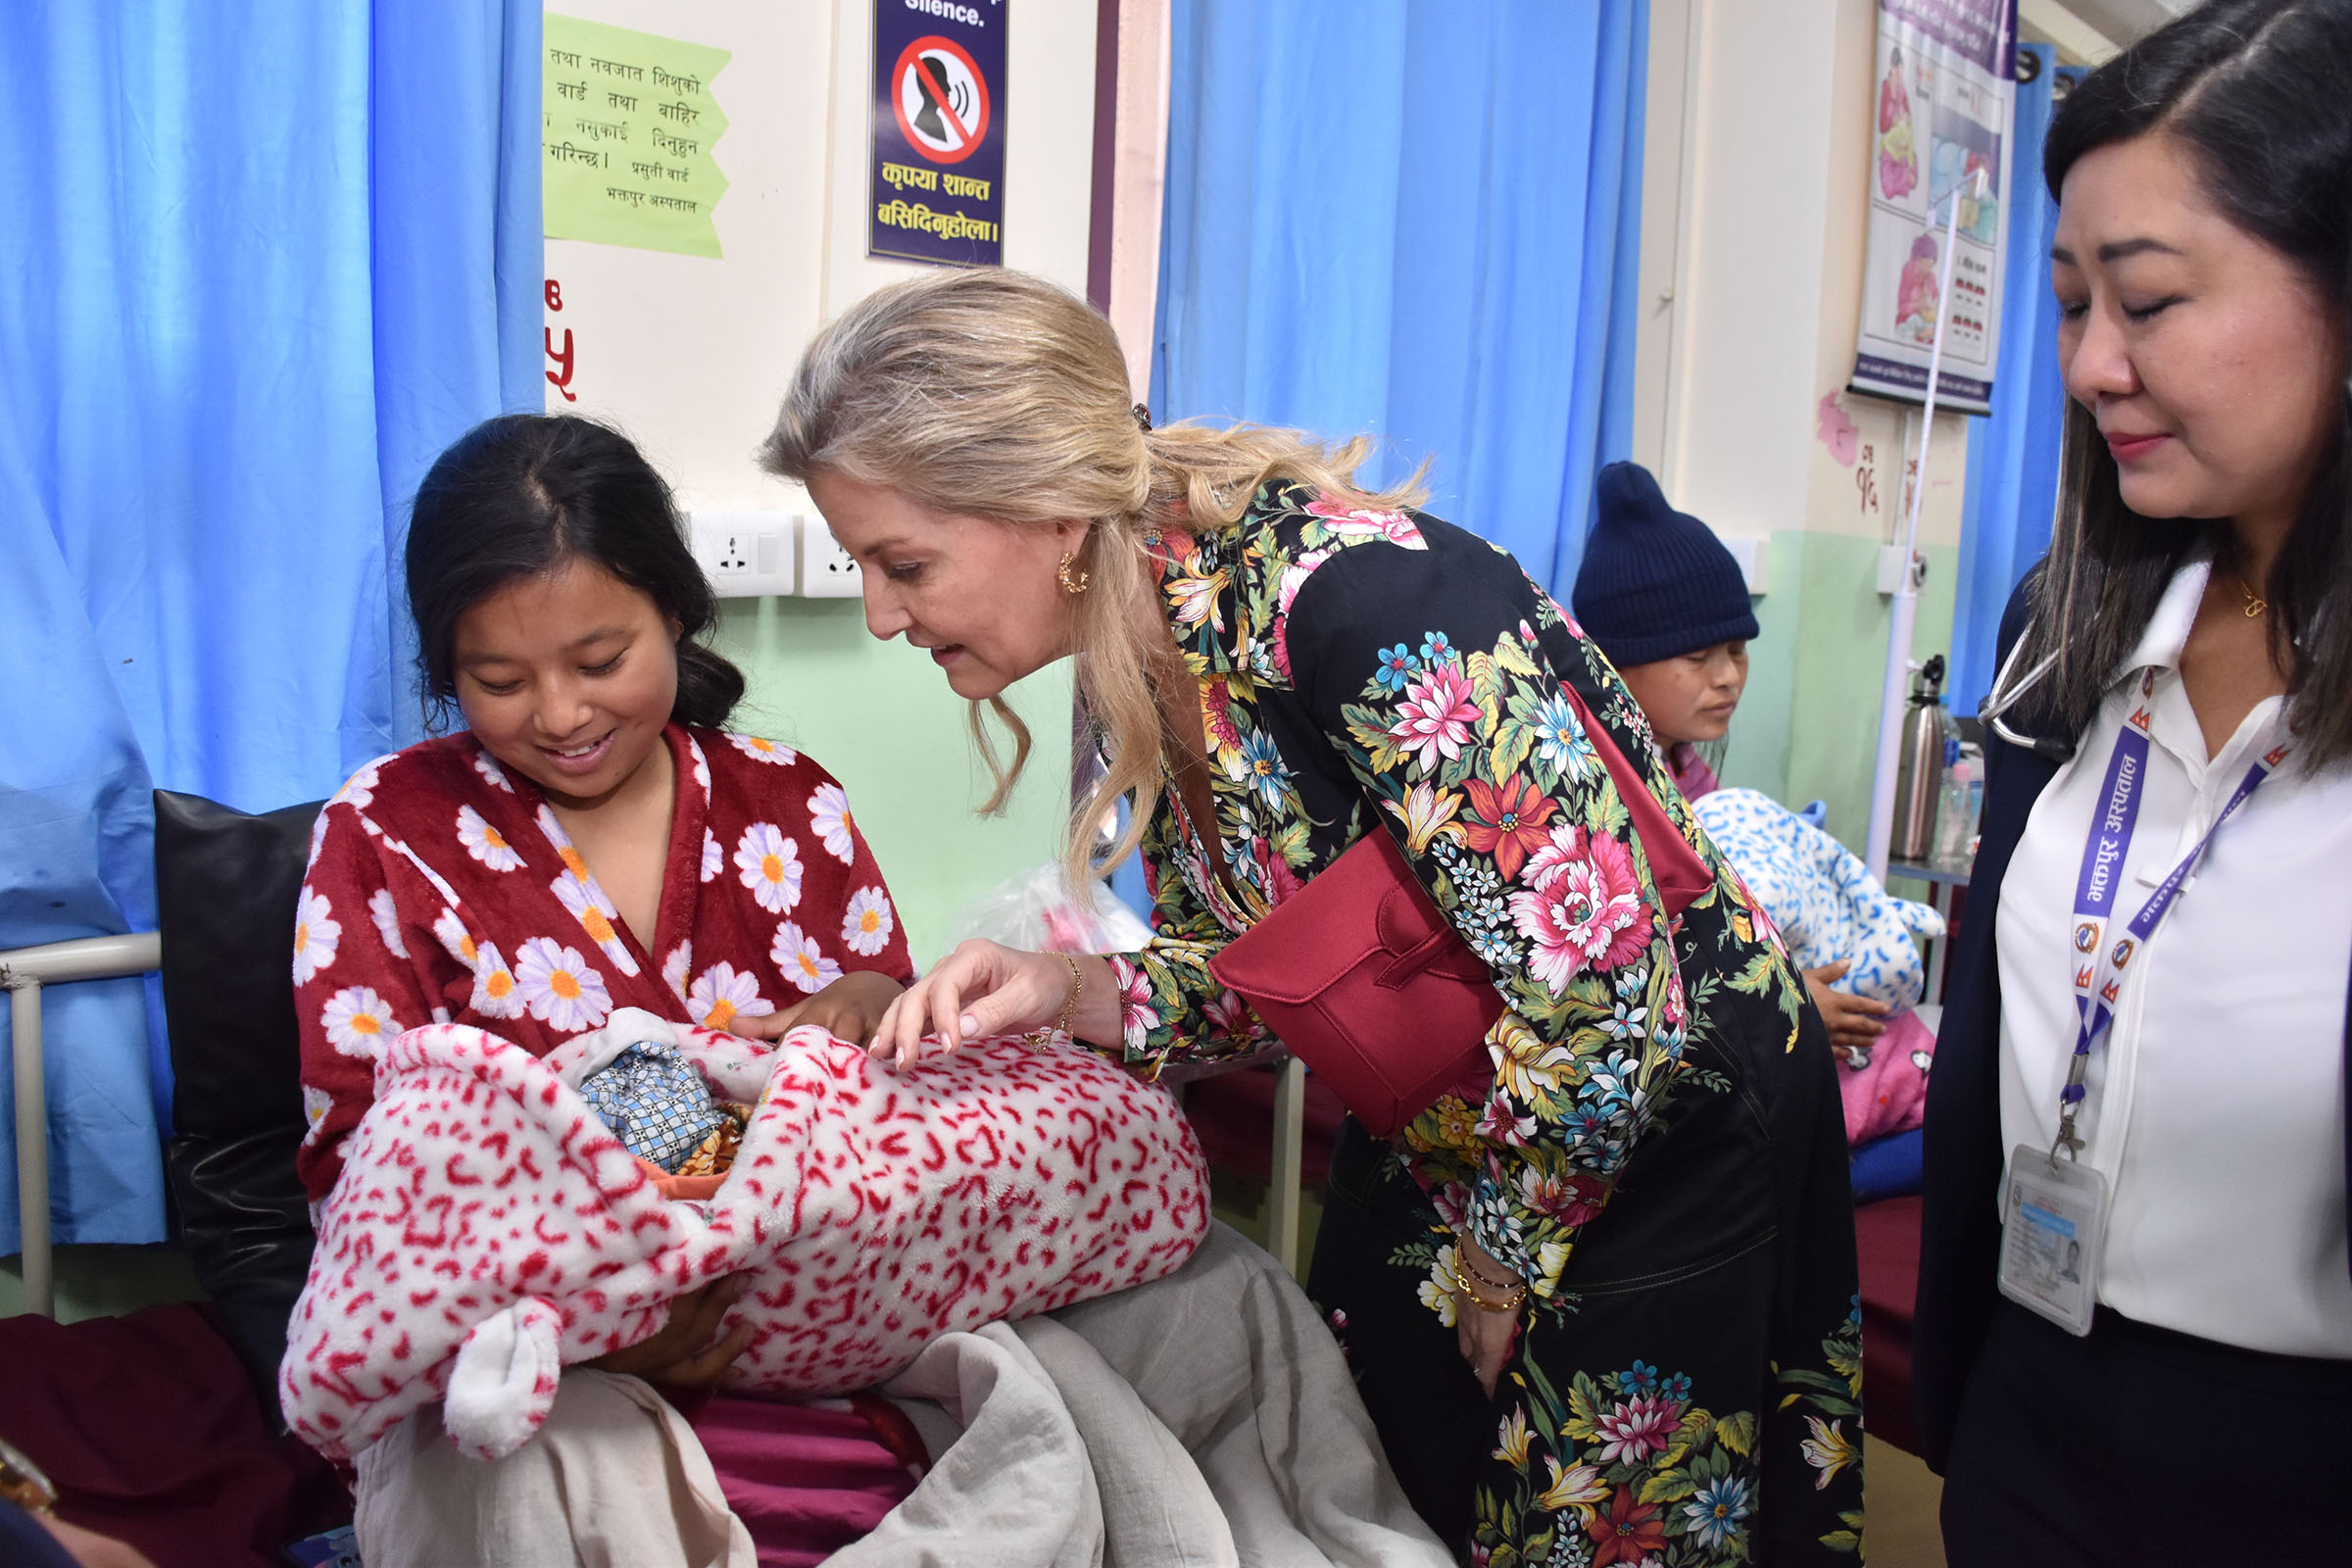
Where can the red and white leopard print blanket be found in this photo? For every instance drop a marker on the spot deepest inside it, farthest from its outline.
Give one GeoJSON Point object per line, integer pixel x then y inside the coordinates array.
{"type": "Point", "coordinates": [488, 1228]}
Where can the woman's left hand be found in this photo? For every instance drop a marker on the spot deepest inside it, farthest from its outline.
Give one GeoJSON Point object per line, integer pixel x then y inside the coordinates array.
{"type": "Point", "coordinates": [1486, 1336]}
{"type": "Point", "coordinates": [848, 1009]}
{"type": "Point", "coordinates": [984, 989]}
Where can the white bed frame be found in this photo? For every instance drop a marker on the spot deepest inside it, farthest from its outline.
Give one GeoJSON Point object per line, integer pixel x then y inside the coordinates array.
{"type": "Point", "coordinates": [22, 974]}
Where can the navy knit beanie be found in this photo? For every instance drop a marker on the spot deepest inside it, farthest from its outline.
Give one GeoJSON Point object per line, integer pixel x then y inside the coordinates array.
{"type": "Point", "coordinates": [1655, 582]}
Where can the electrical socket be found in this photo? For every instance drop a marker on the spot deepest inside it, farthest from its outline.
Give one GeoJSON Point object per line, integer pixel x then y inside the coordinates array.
{"type": "Point", "coordinates": [827, 570]}
{"type": "Point", "coordinates": [747, 554]}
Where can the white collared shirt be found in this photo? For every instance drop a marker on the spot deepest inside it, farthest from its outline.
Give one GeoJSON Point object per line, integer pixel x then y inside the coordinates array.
{"type": "Point", "coordinates": [2216, 1099]}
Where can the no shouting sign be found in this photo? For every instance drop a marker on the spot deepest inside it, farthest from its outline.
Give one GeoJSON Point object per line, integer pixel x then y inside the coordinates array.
{"type": "Point", "coordinates": [937, 116]}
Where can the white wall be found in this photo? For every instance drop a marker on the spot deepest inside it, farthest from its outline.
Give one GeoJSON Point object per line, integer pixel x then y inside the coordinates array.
{"type": "Point", "coordinates": [690, 356]}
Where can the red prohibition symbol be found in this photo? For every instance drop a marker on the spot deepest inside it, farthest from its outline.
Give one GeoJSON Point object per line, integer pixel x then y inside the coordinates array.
{"type": "Point", "coordinates": [950, 113]}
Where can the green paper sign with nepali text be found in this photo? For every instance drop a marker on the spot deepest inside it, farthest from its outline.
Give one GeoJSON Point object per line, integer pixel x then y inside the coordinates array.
{"type": "Point", "coordinates": [627, 125]}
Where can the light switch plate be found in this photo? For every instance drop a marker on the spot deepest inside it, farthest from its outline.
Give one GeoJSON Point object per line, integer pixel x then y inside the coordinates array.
{"type": "Point", "coordinates": [747, 555]}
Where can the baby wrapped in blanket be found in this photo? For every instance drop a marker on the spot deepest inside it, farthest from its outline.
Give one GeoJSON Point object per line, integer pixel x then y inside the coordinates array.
{"type": "Point", "coordinates": [490, 1227]}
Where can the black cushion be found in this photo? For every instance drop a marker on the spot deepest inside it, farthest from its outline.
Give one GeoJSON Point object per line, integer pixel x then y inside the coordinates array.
{"type": "Point", "coordinates": [226, 886]}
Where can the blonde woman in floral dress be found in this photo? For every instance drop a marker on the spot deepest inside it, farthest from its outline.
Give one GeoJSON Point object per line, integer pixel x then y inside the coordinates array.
{"type": "Point", "coordinates": [1602, 1301]}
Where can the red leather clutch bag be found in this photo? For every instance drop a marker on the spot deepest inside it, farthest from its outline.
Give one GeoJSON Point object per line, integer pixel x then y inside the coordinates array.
{"type": "Point", "coordinates": [1363, 979]}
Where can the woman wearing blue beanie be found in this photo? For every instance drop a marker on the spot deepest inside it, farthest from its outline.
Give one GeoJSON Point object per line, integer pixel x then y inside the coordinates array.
{"type": "Point", "coordinates": [1669, 606]}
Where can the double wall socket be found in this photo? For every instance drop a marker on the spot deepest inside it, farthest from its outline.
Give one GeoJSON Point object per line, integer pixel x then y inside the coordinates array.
{"type": "Point", "coordinates": [747, 555]}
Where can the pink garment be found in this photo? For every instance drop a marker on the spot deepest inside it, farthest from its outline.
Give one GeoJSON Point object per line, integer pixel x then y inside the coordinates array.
{"type": "Point", "coordinates": [1895, 104]}
{"type": "Point", "coordinates": [1691, 775]}
{"type": "Point", "coordinates": [806, 1480]}
{"type": "Point", "coordinates": [1891, 1095]}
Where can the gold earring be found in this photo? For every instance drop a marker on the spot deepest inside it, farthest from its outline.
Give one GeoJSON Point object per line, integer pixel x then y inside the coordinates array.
{"type": "Point", "coordinates": [1072, 582]}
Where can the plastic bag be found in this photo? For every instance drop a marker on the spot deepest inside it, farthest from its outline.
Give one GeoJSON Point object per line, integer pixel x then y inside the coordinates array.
{"type": "Point", "coordinates": [1037, 912]}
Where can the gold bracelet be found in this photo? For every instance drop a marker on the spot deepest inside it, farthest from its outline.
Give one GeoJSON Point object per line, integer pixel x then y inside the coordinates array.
{"type": "Point", "coordinates": [1069, 1008]}
{"type": "Point", "coordinates": [1462, 1284]}
{"type": "Point", "coordinates": [1039, 1039]}
{"type": "Point", "coordinates": [1485, 1277]}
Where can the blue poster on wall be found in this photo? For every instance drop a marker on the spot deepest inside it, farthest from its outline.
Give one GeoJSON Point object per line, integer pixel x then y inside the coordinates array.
{"type": "Point", "coordinates": [938, 173]}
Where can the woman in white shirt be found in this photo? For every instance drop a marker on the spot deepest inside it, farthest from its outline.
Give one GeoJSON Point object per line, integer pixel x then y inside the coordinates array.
{"type": "Point", "coordinates": [2134, 1334]}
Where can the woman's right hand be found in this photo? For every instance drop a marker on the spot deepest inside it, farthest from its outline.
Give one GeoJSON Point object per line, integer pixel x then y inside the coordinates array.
{"type": "Point", "coordinates": [984, 989]}
{"type": "Point", "coordinates": [682, 1354]}
{"type": "Point", "coordinates": [1853, 1020]}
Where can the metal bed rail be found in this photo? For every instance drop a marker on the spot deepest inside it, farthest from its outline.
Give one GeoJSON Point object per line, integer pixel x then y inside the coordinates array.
{"type": "Point", "coordinates": [24, 973]}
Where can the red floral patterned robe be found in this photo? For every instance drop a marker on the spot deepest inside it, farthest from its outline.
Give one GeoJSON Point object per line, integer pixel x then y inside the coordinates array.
{"type": "Point", "coordinates": [442, 889]}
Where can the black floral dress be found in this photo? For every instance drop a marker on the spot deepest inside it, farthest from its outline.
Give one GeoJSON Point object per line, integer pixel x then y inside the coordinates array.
{"type": "Point", "coordinates": [1662, 1153]}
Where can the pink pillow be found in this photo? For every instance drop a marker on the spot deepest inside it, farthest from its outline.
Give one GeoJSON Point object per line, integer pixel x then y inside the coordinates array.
{"type": "Point", "coordinates": [1891, 1095]}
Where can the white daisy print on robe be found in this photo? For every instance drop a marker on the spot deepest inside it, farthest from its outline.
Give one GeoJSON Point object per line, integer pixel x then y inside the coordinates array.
{"type": "Point", "coordinates": [484, 842]}
{"type": "Point", "coordinates": [386, 916]}
{"type": "Point", "coordinates": [596, 913]}
{"type": "Point", "coordinates": [676, 966]}
{"type": "Point", "coordinates": [722, 994]}
{"type": "Point", "coordinates": [553, 831]}
{"type": "Point", "coordinates": [453, 936]}
{"type": "Point", "coordinates": [701, 766]}
{"type": "Point", "coordinates": [829, 814]}
{"type": "Point", "coordinates": [316, 935]}
{"type": "Point", "coordinates": [868, 922]}
{"type": "Point", "coordinates": [771, 866]}
{"type": "Point", "coordinates": [796, 954]}
{"type": "Point", "coordinates": [715, 857]}
{"type": "Point", "coordinates": [359, 790]}
{"type": "Point", "coordinates": [562, 989]}
{"type": "Point", "coordinates": [487, 766]}
{"type": "Point", "coordinates": [316, 1104]}
{"type": "Point", "coordinates": [497, 993]}
{"type": "Point", "coordinates": [358, 1021]}
{"type": "Point", "coordinates": [765, 751]}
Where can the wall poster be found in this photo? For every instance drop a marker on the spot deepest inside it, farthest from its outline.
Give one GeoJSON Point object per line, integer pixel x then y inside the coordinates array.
{"type": "Point", "coordinates": [1945, 92]}
{"type": "Point", "coordinates": [936, 180]}
{"type": "Point", "coordinates": [629, 125]}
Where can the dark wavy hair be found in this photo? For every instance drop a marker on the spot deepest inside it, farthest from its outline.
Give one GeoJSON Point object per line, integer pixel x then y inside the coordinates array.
{"type": "Point", "coordinates": [520, 494]}
{"type": "Point", "coordinates": [2260, 94]}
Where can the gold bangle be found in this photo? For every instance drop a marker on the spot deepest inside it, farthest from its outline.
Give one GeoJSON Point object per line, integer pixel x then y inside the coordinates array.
{"type": "Point", "coordinates": [1462, 1284]}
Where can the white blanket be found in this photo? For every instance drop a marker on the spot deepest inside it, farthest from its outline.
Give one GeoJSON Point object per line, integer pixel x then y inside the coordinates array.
{"type": "Point", "coordinates": [1203, 1419]}
{"type": "Point", "coordinates": [1206, 1418]}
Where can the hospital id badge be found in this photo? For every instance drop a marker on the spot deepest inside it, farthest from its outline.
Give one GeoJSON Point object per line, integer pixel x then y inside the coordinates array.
{"type": "Point", "coordinates": [2052, 1223]}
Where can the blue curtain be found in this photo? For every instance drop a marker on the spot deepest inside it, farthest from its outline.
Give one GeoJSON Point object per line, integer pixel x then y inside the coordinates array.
{"type": "Point", "coordinates": [260, 263]}
{"type": "Point", "coordinates": [1419, 219]}
{"type": "Point", "coordinates": [2013, 456]}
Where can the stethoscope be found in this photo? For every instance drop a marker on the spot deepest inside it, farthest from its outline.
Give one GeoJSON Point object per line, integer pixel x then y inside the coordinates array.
{"type": "Point", "coordinates": [2003, 697]}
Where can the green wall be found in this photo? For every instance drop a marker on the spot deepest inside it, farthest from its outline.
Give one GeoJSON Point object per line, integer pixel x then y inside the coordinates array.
{"type": "Point", "coordinates": [880, 717]}
{"type": "Point", "coordinates": [1808, 728]}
